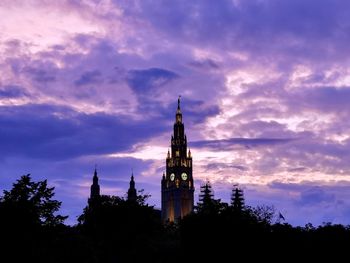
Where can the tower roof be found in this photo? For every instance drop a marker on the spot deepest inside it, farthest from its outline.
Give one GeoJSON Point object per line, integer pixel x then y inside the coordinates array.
{"type": "Point", "coordinates": [178, 111]}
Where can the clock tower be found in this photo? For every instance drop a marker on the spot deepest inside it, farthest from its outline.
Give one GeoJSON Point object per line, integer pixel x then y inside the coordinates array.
{"type": "Point", "coordinates": [177, 182]}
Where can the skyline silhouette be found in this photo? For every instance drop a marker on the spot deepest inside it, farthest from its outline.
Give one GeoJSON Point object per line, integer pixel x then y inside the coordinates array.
{"type": "Point", "coordinates": [117, 229]}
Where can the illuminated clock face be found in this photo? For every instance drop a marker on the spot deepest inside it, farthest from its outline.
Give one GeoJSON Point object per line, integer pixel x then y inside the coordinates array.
{"type": "Point", "coordinates": [172, 177]}
{"type": "Point", "coordinates": [184, 176]}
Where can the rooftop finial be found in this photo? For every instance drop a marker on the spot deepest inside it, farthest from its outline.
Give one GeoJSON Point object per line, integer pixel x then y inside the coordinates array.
{"type": "Point", "coordinates": [178, 111]}
{"type": "Point", "coordinates": [95, 172]}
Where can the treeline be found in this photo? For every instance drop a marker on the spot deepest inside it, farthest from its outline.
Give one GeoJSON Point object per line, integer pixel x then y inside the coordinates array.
{"type": "Point", "coordinates": [112, 229]}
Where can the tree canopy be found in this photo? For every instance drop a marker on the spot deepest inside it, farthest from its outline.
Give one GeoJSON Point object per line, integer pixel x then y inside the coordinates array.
{"type": "Point", "coordinates": [113, 229]}
{"type": "Point", "coordinates": [31, 201]}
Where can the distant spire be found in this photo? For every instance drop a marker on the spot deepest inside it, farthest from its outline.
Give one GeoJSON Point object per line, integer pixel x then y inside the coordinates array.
{"type": "Point", "coordinates": [95, 187]}
{"type": "Point", "coordinates": [178, 105]}
{"type": "Point", "coordinates": [178, 111]}
{"type": "Point", "coordinates": [132, 196]}
{"type": "Point", "coordinates": [95, 178]}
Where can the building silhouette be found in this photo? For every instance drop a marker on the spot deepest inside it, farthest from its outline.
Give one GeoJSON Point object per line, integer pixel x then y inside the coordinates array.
{"type": "Point", "coordinates": [132, 193]}
{"type": "Point", "coordinates": [177, 183]}
{"type": "Point", "coordinates": [94, 190]}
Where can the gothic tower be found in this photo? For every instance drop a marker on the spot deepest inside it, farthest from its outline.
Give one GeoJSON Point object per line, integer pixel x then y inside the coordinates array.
{"type": "Point", "coordinates": [177, 182]}
{"type": "Point", "coordinates": [132, 195]}
{"type": "Point", "coordinates": [95, 189]}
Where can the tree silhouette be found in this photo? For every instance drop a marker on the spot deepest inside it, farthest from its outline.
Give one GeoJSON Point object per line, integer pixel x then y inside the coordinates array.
{"type": "Point", "coordinates": [237, 199]}
{"type": "Point", "coordinates": [33, 201]}
{"type": "Point", "coordinates": [264, 213]}
{"type": "Point", "coordinates": [205, 197]}
{"type": "Point", "coordinates": [207, 204]}
{"type": "Point", "coordinates": [113, 229]}
{"type": "Point", "coordinates": [28, 223]}
{"type": "Point", "coordinates": [121, 229]}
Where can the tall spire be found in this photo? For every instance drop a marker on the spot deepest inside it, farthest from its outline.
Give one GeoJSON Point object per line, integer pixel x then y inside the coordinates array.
{"type": "Point", "coordinates": [177, 181]}
{"type": "Point", "coordinates": [178, 116]}
{"type": "Point", "coordinates": [95, 178]}
{"type": "Point", "coordinates": [132, 195]}
{"type": "Point", "coordinates": [95, 187]}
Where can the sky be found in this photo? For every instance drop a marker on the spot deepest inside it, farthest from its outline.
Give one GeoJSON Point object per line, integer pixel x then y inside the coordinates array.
{"type": "Point", "coordinates": [264, 85]}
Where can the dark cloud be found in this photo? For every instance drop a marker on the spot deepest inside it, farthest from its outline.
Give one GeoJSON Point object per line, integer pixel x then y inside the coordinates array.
{"type": "Point", "coordinates": [297, 169]}
{"type": "Point", "coordinates": [304, 202]}
{"type": "Point", "coordinates": [89, 77]}
{"type": "Point", "coordinates": [246, 142]}
{"type": "Point", "coordinates": [39, 74]}
{"type": "Point", "coordinates": [301, 28]}
{"type": "Point", "coordinates": [44, 131]}
{"type": "Point", "coordinates": [197, 110]}
{"type": "Point", "coordinates": [215, 166]}
{"type": "Point", "coordinates": [311, 193]}
{"type": "Point", "coordinates": [269, 129]}
{"type": "Point", "coordinates": [145, 81]}
{"type": "Point", "coordinates": [58, 47]}
{"type": "Point", "coordinates": [327, 99]}
{"type": "Point", "coordinates": [240, 167]}
{"type": "Point", "coordinates": [206, 64]}
{"type": "Point", "coordinates": [12, 91]}
{"type": "Point", "coordinates": [315, 195]}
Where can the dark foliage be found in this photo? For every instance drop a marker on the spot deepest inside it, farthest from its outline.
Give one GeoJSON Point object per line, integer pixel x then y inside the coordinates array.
{"type": "Point", "coordinates": [27, 218]}
{"type": "Point", "coordinates": [207, 204]}
{"type": "Point", "coordinates": [237, 199]}
{"type": "Point", "coordinates": [112, 229]}
{"type": "Point", "coordinates": [122, 230]}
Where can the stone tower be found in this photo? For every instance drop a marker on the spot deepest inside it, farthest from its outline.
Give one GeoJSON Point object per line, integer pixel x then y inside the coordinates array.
{"type": "Point", "coordinates": [177, 182]}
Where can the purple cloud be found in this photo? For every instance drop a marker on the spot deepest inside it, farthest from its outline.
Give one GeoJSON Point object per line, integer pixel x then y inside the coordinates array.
{"type": "Point", "coordinates": [45, 131]}
{"type": "Point", "coordinates": [12, 91]}
{"type": "Point", "coordinates": [143, 81]}
{"type": "Point", "coordinates": [88, 77]}
{"type": "Point", "coordinates": [246, 142]}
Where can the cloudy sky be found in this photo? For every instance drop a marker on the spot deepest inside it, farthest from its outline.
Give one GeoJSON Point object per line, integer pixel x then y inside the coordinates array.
{"type": "Point", "coordinates": [265, 89]}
